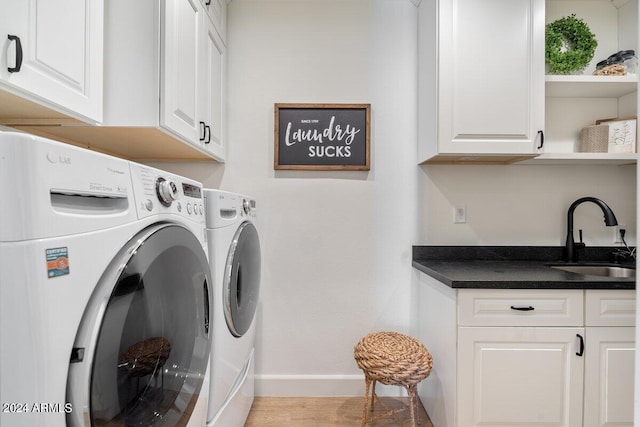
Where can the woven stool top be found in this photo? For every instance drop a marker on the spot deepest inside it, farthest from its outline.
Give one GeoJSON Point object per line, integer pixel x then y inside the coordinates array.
{"type": "Point", "coordinates": [144, 357]}
{"type": "Point", "coordinates": [393, 358]}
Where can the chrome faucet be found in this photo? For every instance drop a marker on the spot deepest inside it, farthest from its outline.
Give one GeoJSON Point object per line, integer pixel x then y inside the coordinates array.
{"type": "Point", "coordinates": [609, 220]}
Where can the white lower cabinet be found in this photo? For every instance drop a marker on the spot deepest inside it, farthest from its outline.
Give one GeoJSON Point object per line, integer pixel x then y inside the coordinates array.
{"type": "Point", "coordinates": [609, 358]}
{"type": "Point", "coordinates": [519, 376]}
{"type": "Point", "coordinates": [520, 357]}
{"type": "Point", "coordinates": [516, 358]}
{"type": "Point", "coordinates": [609, 376]}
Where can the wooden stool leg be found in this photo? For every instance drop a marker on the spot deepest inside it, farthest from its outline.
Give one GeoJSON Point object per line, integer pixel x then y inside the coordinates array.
{"type": "Point", "coordinates": [413, 403]}
{"type": "Point", "coordinates": [373, 396]}
{"type": "Point", "coordinates": [366, 401]}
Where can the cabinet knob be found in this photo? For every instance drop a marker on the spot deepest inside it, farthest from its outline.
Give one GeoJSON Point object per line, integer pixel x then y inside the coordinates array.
{"type": "Point", "coordinates": [18, 62]}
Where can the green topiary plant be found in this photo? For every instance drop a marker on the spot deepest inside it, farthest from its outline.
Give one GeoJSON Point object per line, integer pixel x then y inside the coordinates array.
{"type": "Point", "coordinates": [569, 45]}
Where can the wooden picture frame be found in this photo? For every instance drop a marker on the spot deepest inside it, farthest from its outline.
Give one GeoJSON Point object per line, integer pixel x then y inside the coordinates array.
{"type": "Point", "coordinates": [322, 136]}
{"type": "Point", "coordinates": [622, 134]}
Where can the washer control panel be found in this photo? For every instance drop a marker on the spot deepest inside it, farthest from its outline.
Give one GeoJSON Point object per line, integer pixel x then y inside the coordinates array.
{"type": "Point", "coordinates": [160, 192]}
{"type": "Point", "coordinates": [225, 208]}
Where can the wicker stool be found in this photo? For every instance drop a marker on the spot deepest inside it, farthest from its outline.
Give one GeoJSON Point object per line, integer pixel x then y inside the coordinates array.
{"type": "Point", "coordinates": [145, 358]}
{"type": "Point", "coordinates": [392, 359]}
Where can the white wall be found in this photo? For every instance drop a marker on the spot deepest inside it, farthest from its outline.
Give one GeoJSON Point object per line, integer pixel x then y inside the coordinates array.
{"type": "Point", "coordinates": [337, 245]}
{"type": "Point", "coordinates": [524, 204]}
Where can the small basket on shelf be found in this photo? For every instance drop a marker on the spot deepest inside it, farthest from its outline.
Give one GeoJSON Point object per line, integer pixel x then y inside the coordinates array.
{"type": "Point", "coordinates": [594, 139]}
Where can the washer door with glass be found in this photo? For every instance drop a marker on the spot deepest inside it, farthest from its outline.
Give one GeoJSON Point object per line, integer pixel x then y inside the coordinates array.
{"type": "Point", "coordinates": [141, 354]}
{"type": "Point", "coordinates": [241, 287]}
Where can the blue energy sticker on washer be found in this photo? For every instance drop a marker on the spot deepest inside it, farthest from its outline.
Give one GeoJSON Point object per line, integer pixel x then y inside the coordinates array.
{"type": "Point", "coordinates": [57, 262]}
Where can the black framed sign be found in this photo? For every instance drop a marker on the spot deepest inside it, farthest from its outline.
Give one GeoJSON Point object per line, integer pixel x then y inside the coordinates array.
{"type": "Point", "coordinates": [322, 136]}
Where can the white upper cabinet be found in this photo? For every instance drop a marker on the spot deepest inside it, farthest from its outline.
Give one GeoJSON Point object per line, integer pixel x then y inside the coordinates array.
{"type": "Point", "coordinates": [164, 67]}
{"type": "Point", "coordinates": [483, 95]}
{"type": "Point", "coordinates": [212, 117]}
{"type": "Point", "coordinates": [168, 44]}
{"type": "Point", "coordinates": [181, 29]}
{"type": "Point", "coordinates": [217, 12]}
{"type": "Point", "coordinates": [192, 78]}
{"type": "Point", "coordinates": [481, 80]}
{"type": "Point", "coordinates": [52, 55]}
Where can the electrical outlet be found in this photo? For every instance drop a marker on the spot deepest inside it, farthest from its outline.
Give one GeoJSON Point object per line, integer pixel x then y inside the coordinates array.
{"type": "Point", "coordinates": [459, 214]}
{"type": "Point", "coordinates": [617, 238]}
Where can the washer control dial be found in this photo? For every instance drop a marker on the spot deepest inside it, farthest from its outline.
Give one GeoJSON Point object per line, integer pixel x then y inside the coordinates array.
{"type": "Point", "coordinates": [167, 191]}
{"type": "Point", "coordinates": [246, 206]}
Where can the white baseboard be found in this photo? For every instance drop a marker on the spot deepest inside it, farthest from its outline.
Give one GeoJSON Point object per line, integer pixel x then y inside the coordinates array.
{"type": "Point", "coordinates": [318, 385]}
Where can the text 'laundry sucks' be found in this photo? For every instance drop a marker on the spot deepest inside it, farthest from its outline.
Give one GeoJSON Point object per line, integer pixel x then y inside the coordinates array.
{"type": "Point", "coordinates": [332, 133]}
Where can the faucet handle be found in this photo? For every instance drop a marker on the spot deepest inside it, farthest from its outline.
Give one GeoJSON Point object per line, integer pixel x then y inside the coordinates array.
{"type": "Point", "coordinates": [579, 245]}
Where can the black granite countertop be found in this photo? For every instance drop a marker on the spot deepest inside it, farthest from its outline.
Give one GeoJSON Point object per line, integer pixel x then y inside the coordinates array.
{"type": "Point", "coordinates": [515, 267]}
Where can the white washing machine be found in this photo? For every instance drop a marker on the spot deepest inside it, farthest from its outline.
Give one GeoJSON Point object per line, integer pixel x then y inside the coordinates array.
{"type": "Point", "coordinates": [234, 256]}
{"type": "Point", "coordinates": [104, 290]}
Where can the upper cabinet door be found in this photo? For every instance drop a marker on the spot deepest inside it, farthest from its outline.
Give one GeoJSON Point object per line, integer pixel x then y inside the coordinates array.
{"type": "Point", "coordinates": [213, 75]}
{"type": "Point", "coordinates": [57, 46]}
{"type": "Point", "coordinates": [491, 75]}
{"type": "Point", "coordinates": [179, 88]}
{"type": "Point", "coordinates": [217, 12]}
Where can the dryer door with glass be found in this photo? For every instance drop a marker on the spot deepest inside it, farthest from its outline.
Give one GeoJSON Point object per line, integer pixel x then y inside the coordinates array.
{"type": "Point", "coordinates": [141, 352]}
{"type": "Point", "coordinates": [241, 287]}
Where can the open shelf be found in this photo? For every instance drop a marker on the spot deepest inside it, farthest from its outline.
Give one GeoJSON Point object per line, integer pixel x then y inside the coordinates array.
{"type": "Point", "coordinates": [586, 86]}
{"type": "Point", "coordinates": [583, 158]}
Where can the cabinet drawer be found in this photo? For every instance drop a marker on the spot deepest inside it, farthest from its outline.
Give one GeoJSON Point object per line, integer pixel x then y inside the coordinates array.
{"type": "Point", "coordinates": [538, 307]}
{"type": "Point", "coordinates": [610, 307]}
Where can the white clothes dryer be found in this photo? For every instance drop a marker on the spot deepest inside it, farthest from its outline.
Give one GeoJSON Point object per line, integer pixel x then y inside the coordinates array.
{"type": "Point", "coordinates": [235, 259]}
{"type": "Point", "coordinates": [104, 290]}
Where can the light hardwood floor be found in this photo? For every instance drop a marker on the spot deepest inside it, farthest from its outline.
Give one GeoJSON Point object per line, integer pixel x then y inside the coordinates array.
{"type": "Point", "coordinates": [325, 412]}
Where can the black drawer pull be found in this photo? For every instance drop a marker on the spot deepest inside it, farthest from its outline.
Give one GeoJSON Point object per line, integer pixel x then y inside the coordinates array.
{"type": "Point", "coordinates": [522, 308]}
{"type": "Point", "coordinates": [581, 352]}
{"type": "Point", "coordinates": [18, 63]}
{"type": "Point", "coordinates": [203, 131]}
{"type": "Point", "coordinates": [207, 134]}
{"type": "Point", "coordinates": [541, 133]}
